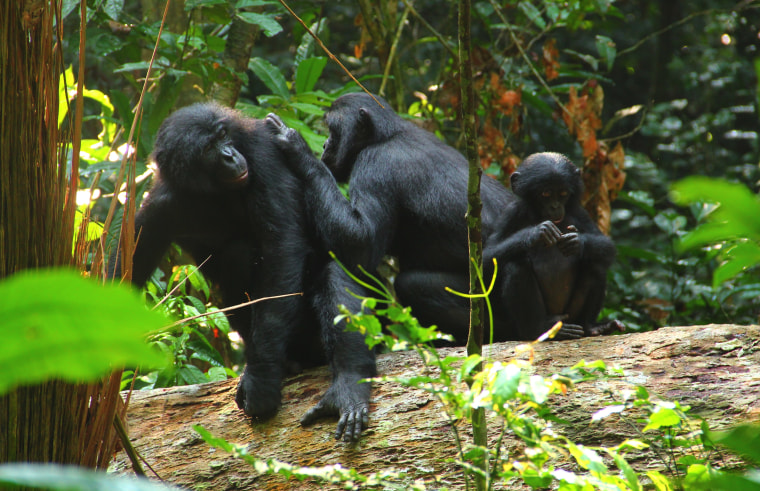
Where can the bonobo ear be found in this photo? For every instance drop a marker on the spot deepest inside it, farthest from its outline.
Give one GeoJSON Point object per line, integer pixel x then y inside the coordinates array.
{"type": "Point", "coordinates": [513, 180]}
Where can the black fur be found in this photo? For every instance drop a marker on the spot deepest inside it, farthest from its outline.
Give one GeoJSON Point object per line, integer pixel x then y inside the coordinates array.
{"type": "Point", "coordinates": [408, 199]}
{"type": "Point", "coordinates": [252, 228]}
{"type": "Point", "coordinates": [553, 259]}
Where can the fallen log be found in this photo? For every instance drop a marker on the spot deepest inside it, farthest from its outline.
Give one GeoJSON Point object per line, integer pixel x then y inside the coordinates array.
{"type": "Point", "coordinates": [715, 369]}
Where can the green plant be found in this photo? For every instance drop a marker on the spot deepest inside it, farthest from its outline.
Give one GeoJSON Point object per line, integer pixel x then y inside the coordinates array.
{"type": "Point", "coordinates": [198, 345]}
{"type": "Point", "coordinates": [521, 401]}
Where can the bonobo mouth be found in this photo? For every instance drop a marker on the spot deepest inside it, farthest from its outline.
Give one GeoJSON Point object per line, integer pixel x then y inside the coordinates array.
{"type": "Point", "coordinates": [239, 180]}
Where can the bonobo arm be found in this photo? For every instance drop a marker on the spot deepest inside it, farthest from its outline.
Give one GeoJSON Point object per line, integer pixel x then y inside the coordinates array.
{"type": "Point", "coordinates": [510, 244]}
{"type": "Point", "coordinates": [359, 230]}
{"type": "Point", "coordinates": [596, 248]}
{"type": "Point", "coordinates": [153, 235]}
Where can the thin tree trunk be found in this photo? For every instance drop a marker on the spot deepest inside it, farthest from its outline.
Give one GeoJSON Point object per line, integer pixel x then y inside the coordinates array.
{"type": "Point", "coordinates": [237, 54]}
{"type": "Point", "coordinates": [55, 421]}
{"type": "Point", "coordinates": [474, 231]}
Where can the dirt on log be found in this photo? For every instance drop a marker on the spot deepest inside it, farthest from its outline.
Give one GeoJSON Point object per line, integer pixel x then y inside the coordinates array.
{"type": "Point", "coordinates": [715, 369]}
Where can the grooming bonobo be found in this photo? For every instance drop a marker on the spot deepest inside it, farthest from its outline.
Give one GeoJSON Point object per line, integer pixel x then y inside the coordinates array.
{"type": "Point", "coordinates": [225, 195]}
{"type": "Point", "coordinates": [408, 196]}
{"type": "Point", "coordinates": [552, 258]}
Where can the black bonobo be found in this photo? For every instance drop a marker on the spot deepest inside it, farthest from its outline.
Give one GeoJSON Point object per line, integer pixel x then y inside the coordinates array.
{"type": "Point", "coordinates": [225, 195]}
{"type": "Point", "coordinates": [552, 258]}
{"type": "Point", "coordinates": [408, 197]}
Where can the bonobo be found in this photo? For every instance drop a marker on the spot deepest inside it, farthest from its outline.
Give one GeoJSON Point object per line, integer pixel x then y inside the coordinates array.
{"type": "Point", "coordinates": [408, 194]}
{"type": "Point", "coordinates": [552, 258]}
{"type": "Point", "coordinates": [225, 195]}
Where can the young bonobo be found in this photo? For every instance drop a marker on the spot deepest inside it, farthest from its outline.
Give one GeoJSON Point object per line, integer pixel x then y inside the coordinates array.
{"type": "Point", "coordinates": [552, 258]}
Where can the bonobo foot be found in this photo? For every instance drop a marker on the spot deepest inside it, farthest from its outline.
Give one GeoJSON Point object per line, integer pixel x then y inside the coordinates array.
{"type": "Point", "coordinates": [605, 328]}
{"type": "Point", "coordinates": [569, 331]}
{"type": "Point", "coordinates": [258, 397]}
{"type": "Point", "coordinates": [349, 400]}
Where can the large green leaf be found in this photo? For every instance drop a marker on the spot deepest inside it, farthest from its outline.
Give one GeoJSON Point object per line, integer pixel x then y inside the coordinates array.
{"type": "Point", "coordinates": [56, 324]}
{"type": "Point", "coordinates": [69, 478]}
{"type": "Point", "coordinates": [308, 72]}
{"type": "Point", "coordinates": [271, 76]}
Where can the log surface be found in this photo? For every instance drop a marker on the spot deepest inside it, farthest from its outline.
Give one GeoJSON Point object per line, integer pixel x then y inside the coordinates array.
{"type": "Point", "coordinates": [715, 369]}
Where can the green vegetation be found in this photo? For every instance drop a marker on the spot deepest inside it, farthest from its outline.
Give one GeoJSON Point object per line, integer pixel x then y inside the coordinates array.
{"type": "Point", "coordinates": [669, 90]}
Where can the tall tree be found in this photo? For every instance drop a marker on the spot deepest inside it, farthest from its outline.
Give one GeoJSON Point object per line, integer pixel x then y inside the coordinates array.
{"type": "Point", "coordinates": [55, 421]}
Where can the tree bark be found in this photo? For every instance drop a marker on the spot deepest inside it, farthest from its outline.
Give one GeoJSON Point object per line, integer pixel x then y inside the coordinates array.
{"type": "Point", "coordinates": [715, 369]}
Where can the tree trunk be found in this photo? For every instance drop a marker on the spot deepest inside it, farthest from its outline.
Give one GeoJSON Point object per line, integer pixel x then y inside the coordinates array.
{"type": "Point", "coordinates": [715, 369]}
{"type": "Point", "coordinates": [55, 421]}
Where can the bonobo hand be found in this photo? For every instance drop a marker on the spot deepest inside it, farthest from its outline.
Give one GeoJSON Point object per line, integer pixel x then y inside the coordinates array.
{"type": "Point", "coordinates": [545, 234]}
{"type": "Point", "coordinates": [605, 328]}
{"type": "Point", "coordinates": [347, 399]}
{"type": "Point", "coordinates": [258, 397]}
{"type": "Point", "coordinates": [287, 139]}
{"type": "Point", "coordinates": [570, 243]}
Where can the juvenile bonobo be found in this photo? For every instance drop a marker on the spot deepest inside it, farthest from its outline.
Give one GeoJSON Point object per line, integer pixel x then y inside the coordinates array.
{"type": "Point", "coordinates": [225, 195]}
{"type": "Point", "coordinates": [408, 196]}
{"type": "Point", "coordinates": [552, 258]}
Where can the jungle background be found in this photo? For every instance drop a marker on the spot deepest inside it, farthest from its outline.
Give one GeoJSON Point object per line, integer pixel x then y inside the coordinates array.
{"type": "Point", "coordinates": [638, 93]}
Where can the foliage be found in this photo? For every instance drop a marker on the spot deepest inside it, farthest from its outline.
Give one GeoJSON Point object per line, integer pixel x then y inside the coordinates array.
{"type": "Point", "coordinates": [71, 478]}
{"type": "Point", "coordinates": [199, 345]}
{"type": "Point", "coordinates": [58, 324]}
{"type": "Point", "coordinates": [521, 400]}
{"type": "Point", "coordinates": [733, 223]}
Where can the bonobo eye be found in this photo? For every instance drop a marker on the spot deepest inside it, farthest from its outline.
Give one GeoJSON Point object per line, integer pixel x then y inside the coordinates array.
{"type": "Point", "coordinates": [546, 194]}
{"type": "Point", "coordinates": [563, 193]}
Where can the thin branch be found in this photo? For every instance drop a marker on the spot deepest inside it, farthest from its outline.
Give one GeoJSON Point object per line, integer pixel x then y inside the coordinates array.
{"type": "Point", "coordinates": [227, 309]}
{"type": "Point", "coordinates": [435, 33]}
{"type": "Point", "coordinates": [329, 53]}
{"type": "Point", "coordinates": [392, 52]}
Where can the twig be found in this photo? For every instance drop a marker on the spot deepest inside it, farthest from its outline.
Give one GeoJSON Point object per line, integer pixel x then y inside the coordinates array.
{"type": "Point", "coordinates": [227, 309]}
{"type": "Point", "coordinates": [394, 46]}
{"type": "Point", "coordinates": [329, 53]}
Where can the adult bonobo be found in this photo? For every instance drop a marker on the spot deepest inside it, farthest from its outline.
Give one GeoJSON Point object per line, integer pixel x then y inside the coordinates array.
{"type": "Point", "coordinates": [408, 193]}
{"type": "Point", "coordinates": [552, 258]}
{"type": "Point", "coordinates": [225, 195]}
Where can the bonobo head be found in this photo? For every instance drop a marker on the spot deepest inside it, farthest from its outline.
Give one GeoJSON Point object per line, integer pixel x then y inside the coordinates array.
{"type": "Point", "coordinates": [194, 150]}
{"type": "Point", "coordinates": [355, 122]}
{"type": "Point", "coordinates": [548, 182]}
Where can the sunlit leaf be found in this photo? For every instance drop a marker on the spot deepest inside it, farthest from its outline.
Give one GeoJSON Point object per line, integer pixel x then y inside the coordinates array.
{"type": "Point", "coordinates": [57, 324]}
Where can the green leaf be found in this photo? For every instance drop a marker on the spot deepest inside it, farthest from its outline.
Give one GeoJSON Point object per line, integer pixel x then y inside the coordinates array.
{"type": "Point", "coordinates": [505, 385]}
{"type": "Point", "coordinates": [267, 23]}
{"type": "Point", "coordinates": [532, 13]}
{"type": "Point", "coordinates": [662, 417]}
{"type": "Point", "coordinates": [587, 458]}
{"type": "Point", "coordinates": [308, 72]}
{"type": "Point", "coordinates": [738, 258]}
{"type": "Point", "coordinates": [271, 76]}
{"type": "Point", "coordinates": [57, 324]}
{"type": "Point", "coordinates": [607, 50]}
{"type": "Point", "coordinates": [630, 475]}
{"type": "Point", "coordinates": [69, 477]}
{"type": "Point", "coordinates": [743, 439]}
{"type": "Point", "coordinates": [659, 481]}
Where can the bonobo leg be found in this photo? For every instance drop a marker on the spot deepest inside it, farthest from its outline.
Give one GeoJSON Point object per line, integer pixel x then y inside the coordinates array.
{"type": "Point", "coordinates": [424, 292]}
{"type": "Point", "coordinates": [350, 358]}
{"type": "Point", "coordinates": [587, 301]}
{"type": "Point", "coordinates": [520, 303]}
{"type": "Point", "coordinates": [260, 386]}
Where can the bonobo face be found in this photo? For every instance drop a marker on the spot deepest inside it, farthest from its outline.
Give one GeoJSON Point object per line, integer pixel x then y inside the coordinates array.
{"type": "Point", "coordinates": [551, 202]}
{"type": "Point", "coordinates": [223, 160]}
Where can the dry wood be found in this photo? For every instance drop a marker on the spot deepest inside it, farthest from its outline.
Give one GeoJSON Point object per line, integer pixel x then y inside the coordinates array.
{"type": "Point", "coordinates": [715, 369]}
